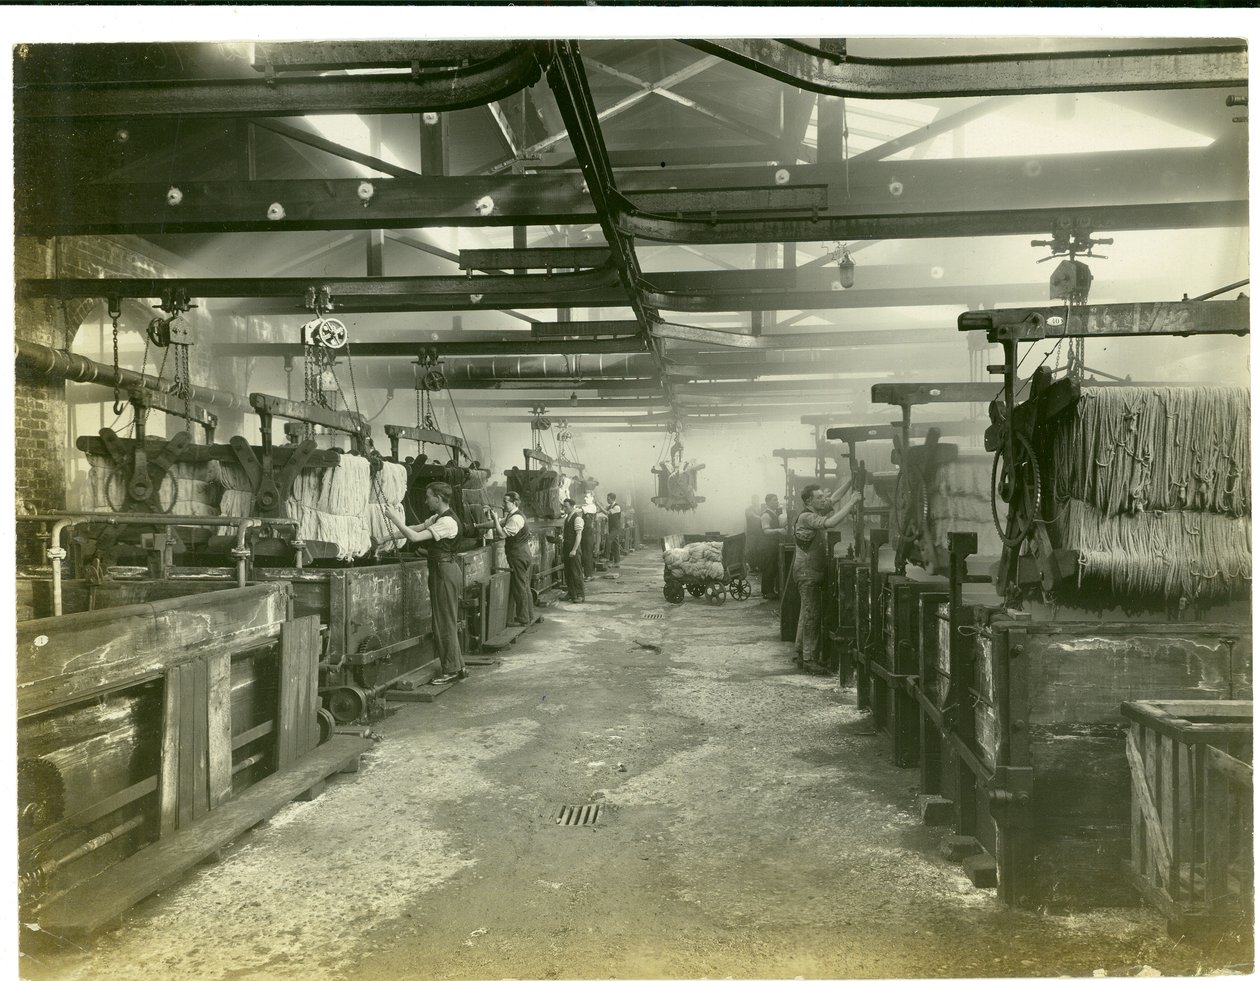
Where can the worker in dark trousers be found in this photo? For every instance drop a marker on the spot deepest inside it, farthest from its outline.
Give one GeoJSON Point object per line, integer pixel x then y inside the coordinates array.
{"type": "Point", "coordinates": [613, 510]}
{"type": "Point", "coordinates": [514, 530]}
{"type": "Point", "coordinates": [809, 568]}
{"type": "Point", "coordinates": [771, 538]}
{"type": "Point", "coordinates": [589, 534]}
{"type": "Point", "coordinates": [570, 550]}
{"type": "Point", "coordinates": [439, 538]}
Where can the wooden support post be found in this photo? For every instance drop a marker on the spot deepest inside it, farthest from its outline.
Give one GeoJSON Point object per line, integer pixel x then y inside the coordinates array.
{"type": "Point", "coordinates": [219, 734]}
{"type": "Point", "coordinates": [187, 759]}
{"type": "Point", "coordinates": [201, 774]}
{"type": "Point", "coordinates": [169, 793]}
{"type": "Point", "coordinates": [929, 735]}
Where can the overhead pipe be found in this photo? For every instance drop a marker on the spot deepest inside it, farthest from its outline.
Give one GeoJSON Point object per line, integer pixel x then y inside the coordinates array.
{"type": "Point", "coordinates": [58, 363]}
{"type": "Point", "coordinates": [1134, 69]}
{"type": "Point", "coordinates": [546, 368]}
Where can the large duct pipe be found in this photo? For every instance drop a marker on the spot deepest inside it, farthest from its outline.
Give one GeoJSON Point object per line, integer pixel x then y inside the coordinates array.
{"type": "Point", "coordinates": [557, 368]}
{"type": "Point", "coordinates": [40, 360]}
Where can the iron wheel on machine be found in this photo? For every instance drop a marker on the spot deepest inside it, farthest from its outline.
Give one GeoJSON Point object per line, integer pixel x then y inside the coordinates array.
{"type": "Point", "coordinates": [695, 589]}
{"type": "Point", "coordinates": [741, 589]}
{"type": "Point", "coordinates": [674, 592]}
{"type": "Point", "coordinates": [716, 594]}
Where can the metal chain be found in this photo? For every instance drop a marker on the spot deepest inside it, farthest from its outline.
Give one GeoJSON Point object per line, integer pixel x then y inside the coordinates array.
{"type": "Point", "coordinates": [114, 314]}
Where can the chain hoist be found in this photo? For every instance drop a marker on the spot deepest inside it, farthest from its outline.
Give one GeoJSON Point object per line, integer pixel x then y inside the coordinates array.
{"type": "Point", "coordinates": [115, 312]}
{"type": "Point", "coordinates": [322, 338]}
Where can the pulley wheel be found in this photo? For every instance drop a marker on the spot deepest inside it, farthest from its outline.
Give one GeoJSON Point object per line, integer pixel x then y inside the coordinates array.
{"type": "Point", "coordinates": [346, 703]}
{"type": "Point", "coordinates": [326, 725]}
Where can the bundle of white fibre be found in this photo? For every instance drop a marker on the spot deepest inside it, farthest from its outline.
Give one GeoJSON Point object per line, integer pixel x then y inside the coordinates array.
{"type": "Point", "coordinates": [389, 487]}
{"type": "Point", "coordinates": [1126, 450]}
{"type": "Point", "coordinates": [236, 499]}
{"type": "Point", "coordinates": [1174, 554]}
{"type": "Point", "coordinates": [959, 501]}
{"type": "Point", "coordinates": [330, 505]}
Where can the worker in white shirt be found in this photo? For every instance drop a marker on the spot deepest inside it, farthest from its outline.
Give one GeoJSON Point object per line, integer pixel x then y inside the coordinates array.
{"type": "Point", "coordinates": [613, 510]}
{"type": "Point", "coordinates": [570, 550]}
{"type": "Point", "coordinates": [440, 537]}
{"type": "Point", "coordinates": [514, 530]}
{"type": "Point", "coordinates": [588, 536]}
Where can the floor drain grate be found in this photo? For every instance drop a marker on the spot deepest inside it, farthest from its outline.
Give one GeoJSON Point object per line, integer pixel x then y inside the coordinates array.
{"type": "Point", "coordinates": [579, 815]}
{"type": "Point", "coordinates": [653, 616]}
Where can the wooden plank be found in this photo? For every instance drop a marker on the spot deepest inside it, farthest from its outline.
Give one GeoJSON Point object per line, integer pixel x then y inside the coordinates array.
{"type": "Point", "coordinates": [306, 640]}
{"type": "Point", "coordinates": [286, 709]}
{"type": "Point", "coordinates": [1156, 843]}
{"type": "Point", "coordinates": [219, 728]}
{"type": "Point", "coordinates": [187, 761]}
{"type": "Point", "coordinates": [65, 659]}
{"type": "Point", "coordinates": [169, 805]}
{"type": "Point", "coordinates": [102, 899]}
{"type": "Point", "coordinates": [201, 739]}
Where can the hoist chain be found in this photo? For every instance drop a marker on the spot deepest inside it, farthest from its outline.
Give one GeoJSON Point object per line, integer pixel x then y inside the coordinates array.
{"type": "Point", "coordinates": [114, 313]}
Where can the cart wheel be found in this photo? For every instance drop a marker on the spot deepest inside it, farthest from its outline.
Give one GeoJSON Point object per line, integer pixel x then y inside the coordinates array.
{"type": "Point", "coordinates": [674, 592]}
{"type": "Point", "coordinates": [741, 589]}
{"type": "Point", "coordinates": [716, 594]}
{"type": "Point", "coordinates": [695, 589]}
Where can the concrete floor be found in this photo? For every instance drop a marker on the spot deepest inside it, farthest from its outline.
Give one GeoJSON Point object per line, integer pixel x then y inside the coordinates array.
{"type": "Point", "coordinates": [753, 827]}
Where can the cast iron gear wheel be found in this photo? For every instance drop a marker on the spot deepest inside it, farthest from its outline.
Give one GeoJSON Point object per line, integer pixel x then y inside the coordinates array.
{"type": "Point", "coordinates": [1023, 476]}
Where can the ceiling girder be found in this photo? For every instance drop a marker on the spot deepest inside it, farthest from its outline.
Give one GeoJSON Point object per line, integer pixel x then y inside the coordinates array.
{"type": "Point", "coordinates": [812, 68]}
{"type": "Point", "coordinates": [958, 224]}
{"type": "Point", "coordinates": [926, 187]}
{"type": "Point", "coordinates": [480, 82]}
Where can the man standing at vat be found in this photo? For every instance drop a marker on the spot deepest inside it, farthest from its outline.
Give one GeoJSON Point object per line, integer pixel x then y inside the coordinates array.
{"type": "Point", "coordinates": [442, 532]}
{"type": "Point", "coordinates": [810, 566]}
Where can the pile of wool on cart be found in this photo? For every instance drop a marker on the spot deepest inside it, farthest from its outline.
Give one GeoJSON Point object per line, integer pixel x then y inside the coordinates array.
{"type": "Point", "coordinates": [960, 500]}
{"type": "Point", "coordinates": [1152, 488]}
{"type": "Point", "coordinates": [186, 488]}
{"type": "Point", "coordinates": [697, 560]}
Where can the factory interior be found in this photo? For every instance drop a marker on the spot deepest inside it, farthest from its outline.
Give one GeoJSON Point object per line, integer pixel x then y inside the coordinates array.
{"type": "Point", "coordinates": [632, 507]}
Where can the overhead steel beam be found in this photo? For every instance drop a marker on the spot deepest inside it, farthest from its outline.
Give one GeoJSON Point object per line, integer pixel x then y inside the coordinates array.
{"type": "Point", "coordinates": [585, 257]}
{"type": "Point", "coordinates": [809, 340]}
{"type": "Point", "coordinates": [959, 224]}
{"type": "Point", "coordinates": [516, 67]}
{"type": "Point", "coordinates": [48, 205]}
{"type": "Point", "coordinates": [811, 68]}
{"type": "Point", "coordinates": [887, 432]}
{"type": "Point", "coordinates": [923, 393]}
{"type": "Point", "coordinates": [593, 328]}
{"type": "Point", "coordinates": [334, 287]}
{"type": "Point", "coordinates": [524, 346]}
{"type": "Point", "coordinates": [690, 302]}
{"type": "Point", "coordinates": [1179, 318]}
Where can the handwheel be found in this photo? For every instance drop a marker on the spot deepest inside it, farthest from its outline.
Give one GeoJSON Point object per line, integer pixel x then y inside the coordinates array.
{"type": "Point", "coordinates": [695, 589]}
{"type": "Point", "coordinates": [1022, 480]}
{"type": "Point", "coordinates": [741, 589]}
{"type": "Point", "coordinates": [716, 594]}
{"type": "Point", "coordinates": [674, 592]}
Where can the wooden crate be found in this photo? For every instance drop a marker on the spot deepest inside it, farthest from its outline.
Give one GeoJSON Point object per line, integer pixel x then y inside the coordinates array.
{"type": "Point", "coordinates": [1049, 740]}
{"type": "Point", "coordinates": [1191, 825]}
